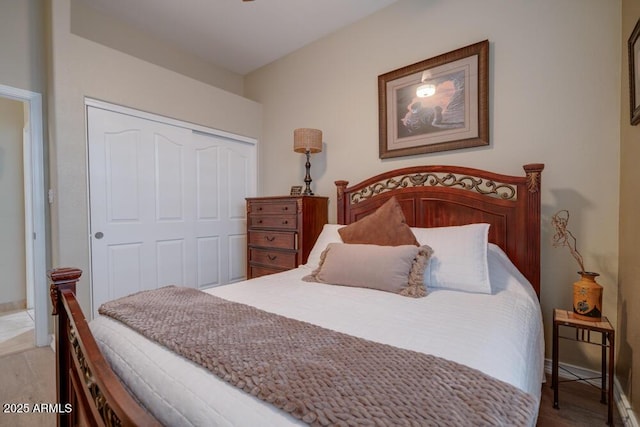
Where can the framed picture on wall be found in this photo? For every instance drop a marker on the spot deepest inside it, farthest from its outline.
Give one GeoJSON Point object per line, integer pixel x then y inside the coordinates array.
{"type": "Point", "coordinates": [438, 104]}
{"type": "Point", "coordinates": [634, 74]}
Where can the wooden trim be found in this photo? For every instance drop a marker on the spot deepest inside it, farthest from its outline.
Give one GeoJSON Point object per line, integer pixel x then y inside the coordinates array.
{"type": "Point", "coordinates": [532, 219]}
{"type": "Point", "coordinates": [85, 379]}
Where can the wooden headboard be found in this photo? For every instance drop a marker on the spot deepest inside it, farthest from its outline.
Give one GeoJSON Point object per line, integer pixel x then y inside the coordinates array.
{"type": "Point", "coordinates": [438, 196]}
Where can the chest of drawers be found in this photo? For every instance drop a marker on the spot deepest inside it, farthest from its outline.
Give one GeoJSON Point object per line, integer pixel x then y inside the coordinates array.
{"type": "Point", "coordinates": [281, 231]}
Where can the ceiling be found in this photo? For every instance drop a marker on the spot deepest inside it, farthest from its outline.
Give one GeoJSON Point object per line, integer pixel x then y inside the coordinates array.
{"type": "Point", "coordinates": [237, 35]}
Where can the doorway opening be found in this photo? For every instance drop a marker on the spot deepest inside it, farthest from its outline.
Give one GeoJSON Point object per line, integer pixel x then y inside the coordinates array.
{"type": "Point", "coordinates": [34, 208]}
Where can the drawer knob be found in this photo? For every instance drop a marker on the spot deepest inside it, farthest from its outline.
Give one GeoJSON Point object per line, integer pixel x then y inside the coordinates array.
{"type": "Point", "coordinates": [272, 257]}
{"type": "Point", "coordinates": [259, 208]}
{"type": "Point", "coordinates": [270, 238]}
{"type": "Point", "coordinates": [285, 222]}
{"type": "Point", "coordinates": [259, 221]}
{"type": "Point", "coordinates": [286, 208]}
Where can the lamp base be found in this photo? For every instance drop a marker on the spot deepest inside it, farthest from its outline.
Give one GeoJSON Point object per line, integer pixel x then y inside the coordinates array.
{"type": "Point", "coordinates": [307, 177]}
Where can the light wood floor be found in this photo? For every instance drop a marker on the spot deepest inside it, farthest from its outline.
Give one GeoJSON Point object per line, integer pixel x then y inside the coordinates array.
{"type": "Point", "coordinates": [16, 331]}
{"type": "Point", "coordinates": [29, 377]}
{"type": "Point", "coordinates": [21, 342]}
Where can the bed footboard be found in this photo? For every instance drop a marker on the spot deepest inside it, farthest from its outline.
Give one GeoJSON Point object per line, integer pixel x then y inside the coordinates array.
{"type": "Point", "coordinates": [87, 388]}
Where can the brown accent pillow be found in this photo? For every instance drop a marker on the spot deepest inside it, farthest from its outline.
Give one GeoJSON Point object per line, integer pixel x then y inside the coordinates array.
{"type": "Point", "coordinates": [397, 269]}
{"type": "Point", "coordinates": [387, 226]}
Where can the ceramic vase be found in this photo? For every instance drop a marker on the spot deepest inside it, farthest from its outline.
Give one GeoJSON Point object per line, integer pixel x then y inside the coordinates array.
{"type": "Point", "coordinates": [587, 297]}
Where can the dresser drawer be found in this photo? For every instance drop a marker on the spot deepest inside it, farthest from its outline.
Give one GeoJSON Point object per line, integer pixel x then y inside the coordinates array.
{"type": "Point", "coordinates": [257, 271]}
{"type": "Point", "coordinates": [273, 208]}
{"type": "Point", "coordinates": [280, 222]}
{"type": "Point", "coordinates": [273, 239]}
{"type": "Point", "coordinates": [272, 258]}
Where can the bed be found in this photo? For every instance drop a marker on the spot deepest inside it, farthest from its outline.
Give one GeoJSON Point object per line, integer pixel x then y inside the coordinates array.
{"type": "Point", "coordinates": [114, 376]}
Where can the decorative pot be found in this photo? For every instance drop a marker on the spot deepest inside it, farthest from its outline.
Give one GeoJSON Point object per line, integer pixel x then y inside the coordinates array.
{"type": "Point", "coordinates": [587, 297]}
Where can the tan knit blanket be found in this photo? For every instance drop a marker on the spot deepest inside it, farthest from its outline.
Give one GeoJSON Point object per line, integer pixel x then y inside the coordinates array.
{"type": "Point", "coordinates": [317, 375]}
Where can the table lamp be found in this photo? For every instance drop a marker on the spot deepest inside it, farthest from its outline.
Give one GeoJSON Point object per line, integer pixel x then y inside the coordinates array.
{"type": "Point", "coordinates": [307, 141]}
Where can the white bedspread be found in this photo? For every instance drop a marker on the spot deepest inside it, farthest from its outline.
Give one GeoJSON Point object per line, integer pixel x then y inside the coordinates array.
{"type": "Point", "coordinates": [499, 334]}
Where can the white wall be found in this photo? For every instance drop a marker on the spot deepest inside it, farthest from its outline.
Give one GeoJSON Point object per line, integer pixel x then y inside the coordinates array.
{"type": "Point", "coordinates": [12, 243]}
{"type": "Point", "coordinates": [554, 99]}
{"type": "Point", "coordinates": [84, 68]}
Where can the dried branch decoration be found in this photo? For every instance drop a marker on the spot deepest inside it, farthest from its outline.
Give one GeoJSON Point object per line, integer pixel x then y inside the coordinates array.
{"type": "Point", "coordinates": [564, 237]}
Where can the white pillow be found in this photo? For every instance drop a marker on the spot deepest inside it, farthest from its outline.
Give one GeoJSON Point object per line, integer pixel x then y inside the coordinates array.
{"type": "Point", "coordinates": [459, 260]}
{"type": "Point", "coordinates": [329, 234]}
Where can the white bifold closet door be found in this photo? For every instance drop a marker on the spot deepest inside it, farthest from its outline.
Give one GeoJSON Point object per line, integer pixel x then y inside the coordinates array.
{"type": "Point", "coordinates": [167, 205]}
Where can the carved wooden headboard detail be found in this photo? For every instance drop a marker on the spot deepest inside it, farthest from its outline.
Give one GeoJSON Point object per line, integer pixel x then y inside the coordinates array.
{"type": "Point", "coordinates": [437, 196]}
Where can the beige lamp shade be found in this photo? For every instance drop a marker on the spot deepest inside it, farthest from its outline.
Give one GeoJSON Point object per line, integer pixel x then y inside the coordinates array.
{"type": "Point", "coordinates": [307, 140]}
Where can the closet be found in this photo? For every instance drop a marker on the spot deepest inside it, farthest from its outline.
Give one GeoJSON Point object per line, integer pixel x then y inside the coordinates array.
{"type": "Point", "coordinates": [167, 203]}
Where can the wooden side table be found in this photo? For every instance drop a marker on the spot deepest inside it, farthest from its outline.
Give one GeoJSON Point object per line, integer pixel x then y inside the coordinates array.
{"type": "Point", "coordinates": [583, 330]}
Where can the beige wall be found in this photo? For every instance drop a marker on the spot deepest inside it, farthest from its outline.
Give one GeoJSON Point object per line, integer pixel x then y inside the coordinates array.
{"type": "Point", "coordinates": [629, 277]}
{"type": "Point", "coordinates": [12, 243]}
{"type": "Point", "coordinates": [82, 68]}
{"type": "Point", "coordinates": [554, 98]}
{"type": "Point", "coordinates": [88, 23]}
{"type": "Point", "coordinates": [22, 65]}
{"type": "Point", "coordinates": [21, 44]}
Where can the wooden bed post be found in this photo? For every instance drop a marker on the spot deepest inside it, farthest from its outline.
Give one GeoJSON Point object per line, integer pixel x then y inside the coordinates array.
{"type": "Point", "coordinates": [63, 280]}
{"type": "Point", "coordinates": [534, 174]}
{"type": "Point", "coordinates": [89, 393]}
{"type": "Point", "coordinates": [341, 185]}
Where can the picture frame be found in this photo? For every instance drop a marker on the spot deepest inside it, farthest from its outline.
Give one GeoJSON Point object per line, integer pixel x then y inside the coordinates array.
{"type": "Point", "coordinates": [634, 74]}
{"type": "Point", "coordinates": [296, 190]}
{"type": "Point", "coordinates": [452, 114]}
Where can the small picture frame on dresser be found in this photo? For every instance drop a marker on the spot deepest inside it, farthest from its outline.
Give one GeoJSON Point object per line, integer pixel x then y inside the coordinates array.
{"type": "Point", "coordinates": [296, 190]}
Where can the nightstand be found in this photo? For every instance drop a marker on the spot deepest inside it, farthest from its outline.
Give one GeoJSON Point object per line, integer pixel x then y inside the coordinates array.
{"type": "Point", "coordinates": [583, 330]}
{"type": "Point", "coordinates": [281, 231]}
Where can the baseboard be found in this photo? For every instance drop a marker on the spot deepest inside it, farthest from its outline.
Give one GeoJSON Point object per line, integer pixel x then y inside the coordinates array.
{"type": "Point", "coordinates": [624, 406]}
{"type": "Point", "coordinates": [622, 402]}
{"type": "Point", "coordinates": [7, 307]}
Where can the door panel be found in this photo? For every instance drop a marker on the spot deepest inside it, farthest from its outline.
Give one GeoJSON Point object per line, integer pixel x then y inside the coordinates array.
{"type": "Point", "coordinates": [208, 259]}
{"type": "Point", "coordinates": [239, 175]}
{"type": "Point", "coordinates": [124, 262]}
{"type": "Point", "coordinates": [227, 171]}
{"type": "Point", "coordinates": [207, 160]}
{"type": "Point", "coordinates": [170, 265]}
{"type": "Point", "coordinates": [167, 205]}
{"type": "Point", "coordinates": [238, 262]}
{"type": "Point", "coordinates": [169, 178]}
{"type": "Point", "coordinates": [121, 168]}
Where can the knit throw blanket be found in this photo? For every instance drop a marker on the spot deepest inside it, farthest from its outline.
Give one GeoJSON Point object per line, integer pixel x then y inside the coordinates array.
{"type": "Point", "coordinates": [317, 375]}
